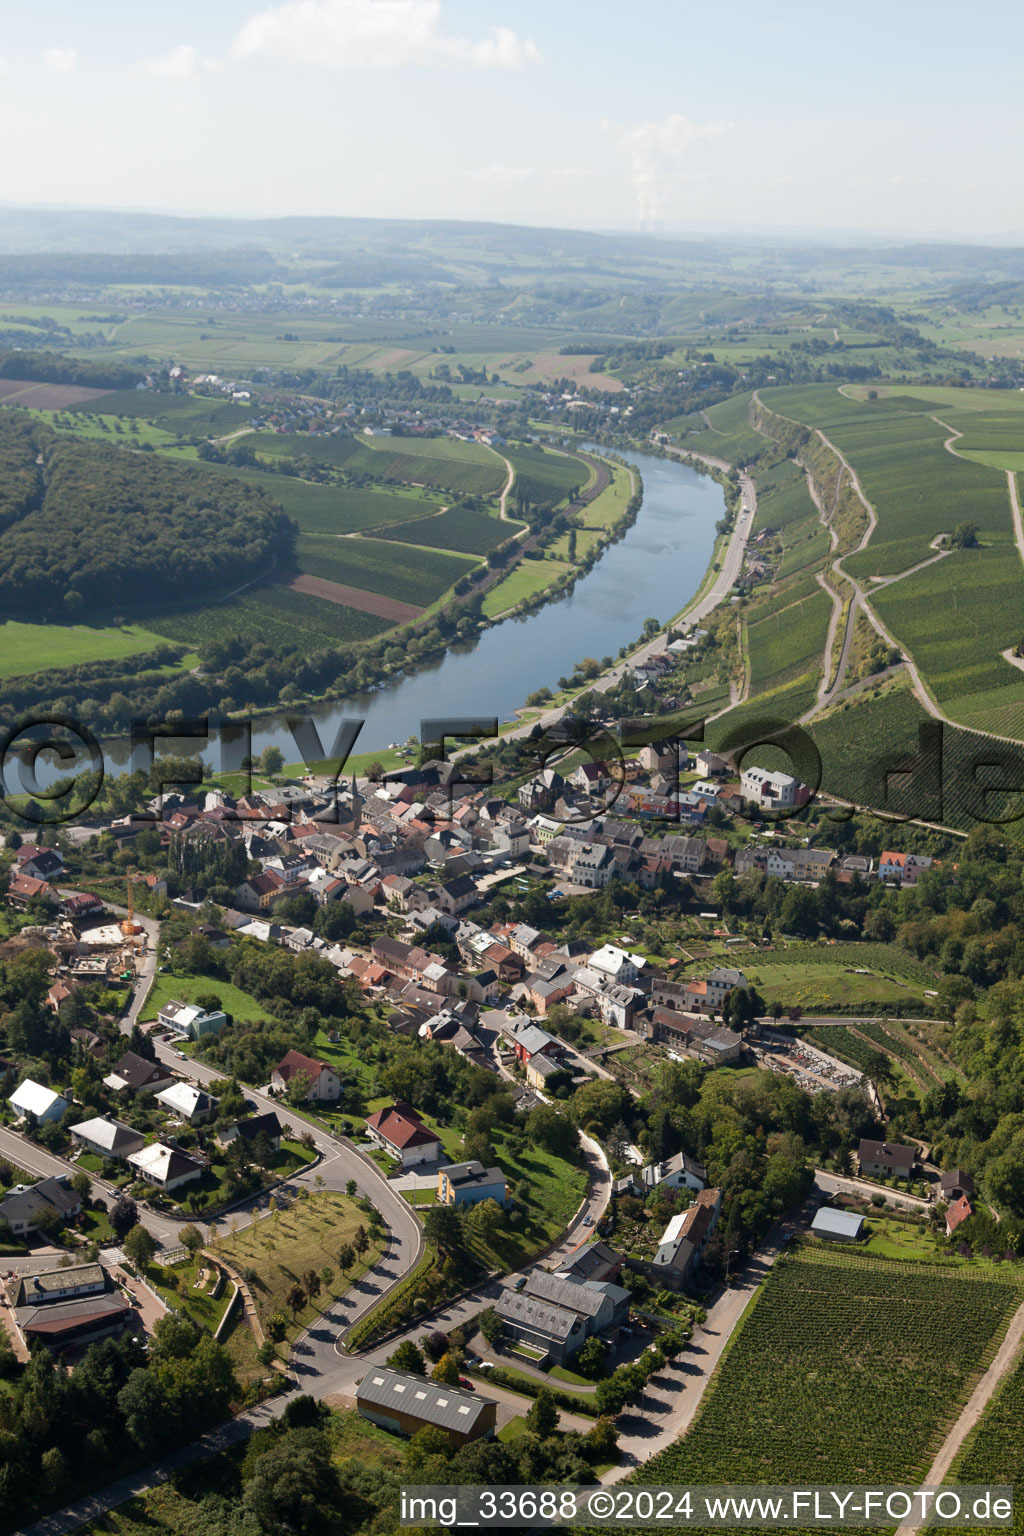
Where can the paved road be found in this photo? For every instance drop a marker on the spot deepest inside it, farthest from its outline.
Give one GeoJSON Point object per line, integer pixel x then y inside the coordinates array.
{"type": "Point", "coordinates": [830, 1184]}
{"type": "Point", "coordinates": [339, 1162]}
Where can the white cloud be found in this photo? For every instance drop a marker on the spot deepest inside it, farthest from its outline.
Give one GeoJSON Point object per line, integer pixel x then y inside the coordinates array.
{"type": "Point", "coordinates": [654, 151]}
{"type": "Point", "coordinates": [61, 60]}
{"type": "Point", "coordinates": [181, 63]}
{"type": "Point", "coordinates": [375, 34]}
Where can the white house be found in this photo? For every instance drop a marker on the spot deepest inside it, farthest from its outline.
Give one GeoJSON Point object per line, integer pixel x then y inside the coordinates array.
{"type": "Point", "coordinates": [770, 791]}
{"type": "Point", "coordinates": [165, 1167]}
{"type": "Point", "coordinates": [617, 964]}
{"type": "Point", "coordinates": [189, 1103]}
{"type": "Point", "coordinates": [31, 1101]}
{"type": "Point", "coordinates": [720, 981]}
{"type": "Point", "coordinates": [677, 1171]}
{"type": "Point", "coordinates": [190, 1021]}
{"type": "Point", "coordinates": [106, 1138]}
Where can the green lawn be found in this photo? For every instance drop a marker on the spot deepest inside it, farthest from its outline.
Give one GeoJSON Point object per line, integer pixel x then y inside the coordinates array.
{"type": "Point", "coordinates": [826, 987]}
{"type": "Point", "coordinates": [26, 648]}
{"type": "Point", "coordinates": [528, 578]}
{"type": "Point", "coordinates": [556, 1188]}
{"type": "Point", "coordinates": [186, 1295]}
{"type": "Point", "coordinates": [173, 987]}
{"type": "Point", "coordinates": [282, 1247]}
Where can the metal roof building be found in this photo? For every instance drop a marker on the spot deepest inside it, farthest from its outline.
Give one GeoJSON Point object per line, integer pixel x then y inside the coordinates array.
{"type": "Point", "coordinates": [404, 1403]}
{"type": "Point", "coordinates": [838, 1226]}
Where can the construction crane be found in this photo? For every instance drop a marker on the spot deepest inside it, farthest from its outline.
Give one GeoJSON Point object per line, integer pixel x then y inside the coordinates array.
{"type": "Point", "coordinates": [129, 927]}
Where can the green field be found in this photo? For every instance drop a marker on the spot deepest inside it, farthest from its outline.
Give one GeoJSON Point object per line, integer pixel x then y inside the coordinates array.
{"type": "Point", "coordinates": [26, 648]}
{"type": "Point", "coordinates": [993, 1453]}
{"type": "Point", "coordinates": [846, 1369]}
{"type": "Point", "coordinates": [284, 1246]}
{"type": "Point", "coordinates": [728, 434]}
{"type": "Point", "coordinates": [545, 478]}
{"type": "Point", "coordinates": [276, 615]}
{"type": "Point", "coordinates": [788, 643]}
{"type": "Point", "coordinates": [416, 576]}
{"type": "Point", "coordinates": [823, 987]}
{"type": "Point", "coordinates": [869, 736]}
{"type": "Point", "coordinates": [980, 595]}
{"type": "Point", "coordinates": [782, 497]}
{"type": "Point", "coordinates": [334, 508]}
{"type": "Point", "coordinates": [897, 449]}
{"type": "Point", "coordinates": [441, 462]}
{"type": "Point", "coordinates": [527, 579]}
{"type": "Point", "coordinates": [168, 988]}
{"type": "Point", "coordinates": [459, 528]}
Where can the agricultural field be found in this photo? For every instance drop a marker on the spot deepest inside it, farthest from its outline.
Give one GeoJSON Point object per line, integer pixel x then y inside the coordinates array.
{"type": "Point", "coordinates": [787, 644]}
{"type": "Point", "coordinates": [727, 432]}
{"type": "Point", "coordinates": [443, 463]}
{"type": "Point", "coordinates": [330, 508]}
{"type": "Point", "coordinates": [823, 988]}
{"type": "Point", "coordinates": [458, 528]}
{"type": "Point", "coordinates": [783, 497]}
{"type": "Point", "coordinates": [526, 579]}
{"type": "Point", "coordinates": [27, 648]}
{"type": "Point", "coordinates": [993, 1453]}
{"type": "Point", "coordinates": [545, 478]}
{"type": "Point", "coordinates": [980, 593]}
{"type": "Point", "coordinates": [416, 576]}
{"type": "Point", "coordinates": [276, 614]}
{"type": "Point", "coordinates": [876, 732]}
{"type": "Point", "coordinates": [32, 395]}
{"type": "Point", "coordinates": [917, 488]}
{"type": "Point", "coordinates": [804, 544]}
{"type": "Point", "coordinates": [181, 415]}
{"type": "Point", "coordinates": [855, 1364]}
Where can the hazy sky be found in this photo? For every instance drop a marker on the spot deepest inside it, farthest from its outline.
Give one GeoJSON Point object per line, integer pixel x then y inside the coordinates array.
{"type": "Point", "coordinates": [883, 118]}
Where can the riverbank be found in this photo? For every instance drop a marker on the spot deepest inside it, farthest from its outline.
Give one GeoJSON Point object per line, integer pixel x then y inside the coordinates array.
{"type": "Point", "coordinates": [658, 567]}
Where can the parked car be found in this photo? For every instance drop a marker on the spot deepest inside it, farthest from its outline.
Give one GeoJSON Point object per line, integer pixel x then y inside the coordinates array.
{"type": "Point", "coordinates": [519, 1283]}
{"type": "Point", "coordinates": [464, 1381]}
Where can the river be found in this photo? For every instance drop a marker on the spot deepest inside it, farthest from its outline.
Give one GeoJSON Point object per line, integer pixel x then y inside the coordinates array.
{"type": "Point", "coordinates": [652, 571]}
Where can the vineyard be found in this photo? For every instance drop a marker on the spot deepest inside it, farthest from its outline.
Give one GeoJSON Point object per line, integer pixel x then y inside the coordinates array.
{"type": "Point", "coordinates": [787, 644]}
{"type": "Point", "coordinates": [545, 479]}
{"type": "Point", "coordinates": [972, 766]}
{"type": "Point", "coordinates": [886, 959]}
{"type": "Point", "coordinates": [440, 462]}
{"type": "Point", "coordinates": [916, 487]}
{"type": "Point", "coordinates": [782, 497]}
{"type": "Point", "coordinates": [276, 615]}
{"type": "Point", "coordinates": [333, 508]}
{"type": "Point", "coordinates": [994, 1452]}
{"type": "Point", "coordinates": [803, 544]}
{"type": "Point", "coordinates": [847, 1369]}
{"type": "Point", "coordinates": [416, 576]}
{"type": "Point", "coordinates": [459, 528]}
{"type": "Point", "coordinates": [981, 595]}
{"type": "Point", "coordinates": [729, 434]}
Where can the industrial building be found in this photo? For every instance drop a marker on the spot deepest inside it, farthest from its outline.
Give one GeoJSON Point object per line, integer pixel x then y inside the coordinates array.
{"type": "Point", "coordinates": [404, 1403]}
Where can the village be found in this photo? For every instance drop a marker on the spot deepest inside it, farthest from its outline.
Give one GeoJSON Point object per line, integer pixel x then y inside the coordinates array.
{"type": "Point", "coordinates": [411, 858]}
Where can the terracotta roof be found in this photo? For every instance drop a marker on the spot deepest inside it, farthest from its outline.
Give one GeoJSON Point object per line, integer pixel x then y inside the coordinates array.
{"type": "Point", "coordinates": [401, 1126]}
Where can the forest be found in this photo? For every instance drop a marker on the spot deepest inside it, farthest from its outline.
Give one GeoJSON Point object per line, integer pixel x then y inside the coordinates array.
{"type": "Point", "coordinates": [114, 531]}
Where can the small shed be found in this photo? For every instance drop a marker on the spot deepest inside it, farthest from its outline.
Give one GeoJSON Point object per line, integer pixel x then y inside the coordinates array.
{"type": "Point", "coordinates": [837, 1226]}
